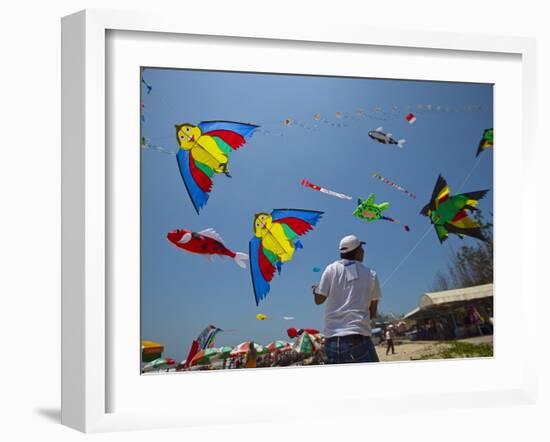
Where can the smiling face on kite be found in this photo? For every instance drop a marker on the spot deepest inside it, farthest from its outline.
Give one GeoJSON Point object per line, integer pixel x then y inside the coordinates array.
{"type": "Point", "coordinates": [187, 135]}
{"type": "Point", "coordinates": [262, 224]}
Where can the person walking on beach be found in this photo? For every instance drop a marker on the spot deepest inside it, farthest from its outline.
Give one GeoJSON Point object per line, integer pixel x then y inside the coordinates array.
{"type": "Point", "coordinates": [351, 292]}
{"type": "Point", "coordinates": [251, 356]}
{"type": "Point", "coordinates": [389, 340]}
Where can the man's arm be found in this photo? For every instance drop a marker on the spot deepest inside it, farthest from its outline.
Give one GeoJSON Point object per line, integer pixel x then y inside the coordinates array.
{"type": "Point", "coordinates": [319, 299]}
{"type": "Point", "coordinates": [373, 309]}
{"type": "Point", "coordinates": [376, 295]}
{"type": "Point", "coordinates": [322, 290]}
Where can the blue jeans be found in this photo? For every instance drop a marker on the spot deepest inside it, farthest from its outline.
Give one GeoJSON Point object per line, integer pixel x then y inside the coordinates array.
{"type": "Point", "coordinates": [350, 349]}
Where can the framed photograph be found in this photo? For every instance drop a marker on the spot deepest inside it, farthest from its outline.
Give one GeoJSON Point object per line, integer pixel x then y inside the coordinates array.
{"type": "Point", "coordinates": [276, 209]}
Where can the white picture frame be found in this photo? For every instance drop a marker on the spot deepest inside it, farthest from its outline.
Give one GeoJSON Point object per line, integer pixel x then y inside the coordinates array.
{"type": "Point", "coordinates": [87, 209]}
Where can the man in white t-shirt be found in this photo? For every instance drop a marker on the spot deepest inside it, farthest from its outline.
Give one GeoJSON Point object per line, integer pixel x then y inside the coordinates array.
{"type": "Point", "coordinates": [350, 292]}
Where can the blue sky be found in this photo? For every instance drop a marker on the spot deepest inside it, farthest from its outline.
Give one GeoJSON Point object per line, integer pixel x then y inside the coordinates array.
{"type": "Point", "coordinates": [181, 293]}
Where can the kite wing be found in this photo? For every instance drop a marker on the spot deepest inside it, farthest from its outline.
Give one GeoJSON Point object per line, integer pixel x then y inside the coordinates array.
{"type": "Point", "coordinates": [440, 193]}
{"type": "Point", "coordinates": [197, 178]}
{"type": "Point", "coordinates": [296, 222]}
{"type": "Point", "coordinates": [261, 269]}
{"type": "Point", "coordinates": [228, 135]}
{"type": "Point", "coordinates": [442, 233]}
{"type": "Point", "coordinates": [371, 199]}
{"type": "Point", "coordinates": [462, 224]}
{"type": "Point", "coordinates": [474, 197]}
{"type": "Point", "coordinates": [474, 232]}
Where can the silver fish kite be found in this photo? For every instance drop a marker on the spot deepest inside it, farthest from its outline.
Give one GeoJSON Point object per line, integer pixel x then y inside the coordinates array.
{"type": "Point", "coordinates": [384, 138]}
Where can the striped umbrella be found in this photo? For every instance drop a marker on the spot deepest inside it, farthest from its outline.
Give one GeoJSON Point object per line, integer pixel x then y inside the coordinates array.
{"type": "Point", "coordinates": [150, 351]}
{"type": "Point", "coordinates": [306, 343]}
{"type": "Point", "coordinates": [224, 352]}
{"type": "Point", "coordinates": [243, 348]}
{"type": "Point", "coordinates": [277, 345]}
{"type": "Point", "coordinates": [319, 338]}
{"type": "Point", "coordinates": [156, 364]}
{"type": "Point", "coordinates": [205, 356]}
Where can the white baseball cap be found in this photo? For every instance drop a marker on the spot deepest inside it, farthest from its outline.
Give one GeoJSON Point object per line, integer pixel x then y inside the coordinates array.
{"type": "Point", "coordinates": [349, 243]}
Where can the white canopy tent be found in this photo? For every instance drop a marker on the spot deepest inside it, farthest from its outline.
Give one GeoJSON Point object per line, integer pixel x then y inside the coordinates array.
{"type": "Point", "coordinates": [446, 298]}
{"type": "Point", "coordinates": [457, 295]}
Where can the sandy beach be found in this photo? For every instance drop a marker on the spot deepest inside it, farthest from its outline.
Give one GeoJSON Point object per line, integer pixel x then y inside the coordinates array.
{"type": "Point", "coordinates": [414, 350]}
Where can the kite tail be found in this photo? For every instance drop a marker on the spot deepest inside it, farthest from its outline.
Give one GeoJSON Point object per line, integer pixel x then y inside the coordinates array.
{"type": "Point", "coordinates": [401, 143]}
{"type": "Point", "coordinates": [393, 220]}
{"type": "Point", "coordinates": [474, 232]}
{"type": "Point", "coordinates": [240, 259]}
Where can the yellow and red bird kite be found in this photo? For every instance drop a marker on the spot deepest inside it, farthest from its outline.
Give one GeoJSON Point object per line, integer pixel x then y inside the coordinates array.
{"type": "Point", "coordinates": [274, 242]}
{"type": "Point", "coordinates": [204, 151]}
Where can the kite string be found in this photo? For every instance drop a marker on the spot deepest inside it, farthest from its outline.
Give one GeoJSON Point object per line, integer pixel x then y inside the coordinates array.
{"type": "Point", "coordinates": [470, 173]}
{"type": "Point", "coordinates": [407, 256]}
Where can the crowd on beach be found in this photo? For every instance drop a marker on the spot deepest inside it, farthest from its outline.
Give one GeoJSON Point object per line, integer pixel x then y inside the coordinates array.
{"type": "Point", "coordinates": [283, 359]}
{"type": "Point", "coordinates": [257, 356]}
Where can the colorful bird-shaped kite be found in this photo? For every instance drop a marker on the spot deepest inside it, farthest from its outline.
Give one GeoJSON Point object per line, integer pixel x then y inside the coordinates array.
{"type": "Point", "coordinates": [486, 141]}
{"type": "Point", "coordinates": [274, 242]}
{"type": "Point", "coordinates": [449, 214]}
{"type": "Point", "coordinates": [204, 151]}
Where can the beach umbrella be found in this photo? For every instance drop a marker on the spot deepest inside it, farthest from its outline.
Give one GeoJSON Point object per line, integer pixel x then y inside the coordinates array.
{"type": "Point", "coordinates": [223, 352]}
{"type": "Point", "coordinates": [319, 338]}
{"type": "Point", "coordinates": [285, 349]}
{"type": "Point", "coordinates": [306, 344]}
{"type": "Point", "coordinates": [292, 332]}
{"type": "Point", "coordinates": [150, 351]}
{"type": "Point", "coordinates": [243, 348]}
{"type": "Point", "coordinates": [156, 364]}
{"type": "Point", "coordinates": [205, 356]}
{"type": "Point", "coordinates": [277, 345]}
